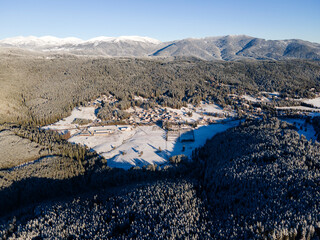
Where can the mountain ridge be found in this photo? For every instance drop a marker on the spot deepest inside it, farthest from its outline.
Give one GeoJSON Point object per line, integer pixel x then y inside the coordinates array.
{"type": "Point", "coordinates": [228, 48]}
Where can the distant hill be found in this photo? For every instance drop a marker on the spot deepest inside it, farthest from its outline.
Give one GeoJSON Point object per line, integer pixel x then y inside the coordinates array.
{"type": "Point", "coordinates": [240, 47]}
{"type": "Point", "coordinates": [226, 48]}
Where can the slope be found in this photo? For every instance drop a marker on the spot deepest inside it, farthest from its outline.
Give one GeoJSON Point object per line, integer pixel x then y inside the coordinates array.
{"type": "Point", "coordinates": [261, 180]}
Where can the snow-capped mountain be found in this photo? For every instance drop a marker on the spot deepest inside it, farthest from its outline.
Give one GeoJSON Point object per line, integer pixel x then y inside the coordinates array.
{"type": "Point", "coordinates": [210, 48]}
{"type": "Point", "coordinates": [39, 41]}
{"type": "Point", "coordinates": [101, 46]}
{"type": "Point", "coordinates": [124, 39]}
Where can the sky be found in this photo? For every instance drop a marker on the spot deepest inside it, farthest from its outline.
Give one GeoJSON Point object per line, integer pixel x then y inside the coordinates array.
{"type": "Point", "coordinates": [164, 20]}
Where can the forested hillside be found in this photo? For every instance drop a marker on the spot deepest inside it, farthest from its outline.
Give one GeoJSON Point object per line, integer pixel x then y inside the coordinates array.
{"type": "Point", "coordinates": [255, 181]}
{"type": "Point", "coordinates": [261, 180]}
{"type": "Point", "coordinates": [43, 89]}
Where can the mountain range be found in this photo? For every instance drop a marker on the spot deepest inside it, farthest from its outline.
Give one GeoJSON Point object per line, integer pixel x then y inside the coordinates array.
{"type": "Point", "coordinates": [228, 48]}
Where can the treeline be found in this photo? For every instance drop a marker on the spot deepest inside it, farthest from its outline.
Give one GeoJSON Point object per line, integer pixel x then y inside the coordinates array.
{"type": "Point", "coordinates": [55, 143]}
{"type": "Point", "coordinates": [65, 169]}
{"type": "Point", "coordinates": [315, 121]}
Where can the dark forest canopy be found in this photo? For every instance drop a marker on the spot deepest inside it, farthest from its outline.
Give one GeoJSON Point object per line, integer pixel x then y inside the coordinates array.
{"type": "Point", "coordinates": [261, 180]}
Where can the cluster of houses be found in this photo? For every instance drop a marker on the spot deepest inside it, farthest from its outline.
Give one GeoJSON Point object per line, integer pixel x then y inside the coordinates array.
{"type": "Point", "coordinates": [145, 116]}
{"type": "Point", "coordinates": [170, 116]}
{"type": "Point", "coordinates": [155, 115]}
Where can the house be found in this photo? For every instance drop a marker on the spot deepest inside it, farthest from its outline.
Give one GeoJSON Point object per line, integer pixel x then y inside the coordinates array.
{"type": "Point", "coordinates": [103, 131]}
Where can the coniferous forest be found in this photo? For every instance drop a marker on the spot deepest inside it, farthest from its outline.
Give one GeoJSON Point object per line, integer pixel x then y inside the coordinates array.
{"type": "Point", "coordinates": [259, 180]}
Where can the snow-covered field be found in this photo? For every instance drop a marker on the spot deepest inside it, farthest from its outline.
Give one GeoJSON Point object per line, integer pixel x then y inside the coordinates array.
{"type": "Point", "coordinates": [315, 102]}
{"type": "Point", "coordinates": [144, 145]}
{"type": "Point", "coordinates": [66, 123]}
{"type": "Point", "coordinates": [150, 144]}
{"type": "Point", "coordinates": [203, 111]}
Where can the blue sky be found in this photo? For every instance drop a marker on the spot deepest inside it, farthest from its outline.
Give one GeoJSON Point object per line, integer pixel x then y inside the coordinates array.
{"type": "Point", "coordinates": [161, 19]}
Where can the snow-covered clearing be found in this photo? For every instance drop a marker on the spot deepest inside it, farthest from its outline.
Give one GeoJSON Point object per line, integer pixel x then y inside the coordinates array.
{"type": "Point", "coordinates": [144, 145]}
{"type": "Point", "coordinates": [202, 134]}
{"type": "Point", "coordinates": [66, 123]}
{"type": "Point", "coordinates": [304, 128]}
{"type": "Point", "coordinates": [315, 102]}
{"type": "Point", "coordinates": [206, 108]}
{"type": "Point", "coordinates": [78, 112]}
{"type": "Point", "coordinates": [203, 111]}
{"type": "Point", "coordinates": [253, 99]}
{"type": "Point", "coordinates": [130, 145]}
{"type": "Point", "coordinates": [276, 94]}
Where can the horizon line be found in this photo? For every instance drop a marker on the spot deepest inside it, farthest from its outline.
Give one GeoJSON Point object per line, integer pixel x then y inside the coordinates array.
{"type": "Point", "coordinates": [150, 38]}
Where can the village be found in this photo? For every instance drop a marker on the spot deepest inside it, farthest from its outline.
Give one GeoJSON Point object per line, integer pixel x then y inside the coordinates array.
{"type": "Point", "coordinates": [168, 118]}
{"type": "Point", "coordinates": [151, 135]}
{"type": "Point", "coordinates": [147, 136]}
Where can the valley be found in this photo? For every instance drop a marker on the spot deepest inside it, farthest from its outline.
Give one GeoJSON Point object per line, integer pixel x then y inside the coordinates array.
{"type": "Point", "coordinates": [156, 120]}
{"type": "Point", "coordinates": [100, 146]}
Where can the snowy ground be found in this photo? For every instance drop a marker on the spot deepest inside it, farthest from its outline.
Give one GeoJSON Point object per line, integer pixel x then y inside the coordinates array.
{"type": "Point", "coordinates": [276, 94]}
{"type": "Point", "coordinates": [304, 128]}
{"type": "Point", "coordinates": [203, 111]}
{"type": "Point", "coordinates": [253, 99]}
{"type": "Point", "coordinates": [66, 123]}
{"type": "Point", "coordinates": [315, 102]}
{"type": "Point", "coordinates": [149, 144]}
{"type": "Point", "coordinates": [145, 145]}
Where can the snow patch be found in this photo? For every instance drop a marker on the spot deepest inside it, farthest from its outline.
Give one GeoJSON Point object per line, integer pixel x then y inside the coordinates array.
{"type": "Point", "coordinates": [314, 102]}
{"type": "Point", "coordinates": [253, 99]}
{"type": "Point", "coordinates": [40, 41]}
{"type": "Point", "coordinates": [146, 145]}
{"type": "Point", "coordinates": [123, 39]}
{"type": "Point", "coordinates": [304, 128]}
{"type": "Point", "coordinates": [79, 112]}
{"type": "Point", "coordinates": [50, 41]}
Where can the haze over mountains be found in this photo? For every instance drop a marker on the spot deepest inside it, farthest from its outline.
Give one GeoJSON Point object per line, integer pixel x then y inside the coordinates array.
{"type": "Point", "coordinates": [210, 48]}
